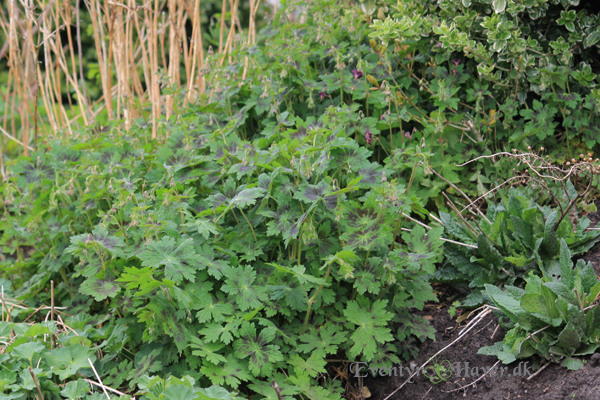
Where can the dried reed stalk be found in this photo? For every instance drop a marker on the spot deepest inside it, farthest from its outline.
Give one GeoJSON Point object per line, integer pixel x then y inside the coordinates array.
{"type": "Point", "coordinates": [138, 46]}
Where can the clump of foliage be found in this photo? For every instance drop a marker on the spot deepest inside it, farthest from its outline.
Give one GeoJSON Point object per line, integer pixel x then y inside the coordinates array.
{"type": "Point", "coordinates": [515, 236]}
{"type": "Point", "coordinates": [54, 359]}
{"type": "Point", "coordinates": [476, 77]}
{"type": "Point", "coordinates": [220, 255]}
{"type": "Point", "coordinates": [259, 235]}
{"type": "Point", "coordinates": [526, 72]}
{"type": "Point", "coordinates": [556, 316]}
{"type": "Point", "coordinates": [522, 231]}
{"type": "Point", "coordinates": [263, 231]}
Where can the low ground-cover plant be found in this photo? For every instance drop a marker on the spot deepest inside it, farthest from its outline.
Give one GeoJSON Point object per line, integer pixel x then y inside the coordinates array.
{"type": "Point", "coordinates": [54, 359]}
{"type": "Point", "coordinates": [514, 237]}
{"type": "Point", "coordinates": [262, 232]}
{"type": "Point", "coordinates": [255, 239]}
{"type": "Point", "coordinates": [221, 255]}
{"type": "Point", "coordinates": [555, 317]}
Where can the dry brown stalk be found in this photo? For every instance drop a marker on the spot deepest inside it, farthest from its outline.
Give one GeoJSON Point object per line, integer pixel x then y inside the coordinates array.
{"type": "Point", "coordinates": [540, 170]}
{"type": "Point", "coordinates": [196, 56]}
{"type": "Point", "coordinates": [251, 32]}
{"type": "Point", "coordinates": [231, 36]}
{"type": "Point", "coordinates": [223, 11]}
{"type": "Point", "coordinates": [486, 310]}
{"type": "Point", "coordinates": [36, 383]}
{"type": "Point", "coordinates": [132, 43]}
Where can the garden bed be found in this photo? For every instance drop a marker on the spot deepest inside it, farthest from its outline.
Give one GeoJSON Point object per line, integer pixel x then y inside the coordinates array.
{"type": "Point", "coordinates": [553, 383]}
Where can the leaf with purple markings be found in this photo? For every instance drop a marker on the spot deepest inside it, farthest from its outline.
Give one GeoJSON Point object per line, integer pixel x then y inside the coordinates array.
{"type": "Point", "coordinates": [261, 355]}
{"type": "Point", "coordinates": [179, 258]}
{"type": "Point", "coordinates": [100, 289]}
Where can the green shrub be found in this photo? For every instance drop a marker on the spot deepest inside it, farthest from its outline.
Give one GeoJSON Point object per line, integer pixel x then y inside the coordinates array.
{"type": "Point", "coordinates": [494, 73]}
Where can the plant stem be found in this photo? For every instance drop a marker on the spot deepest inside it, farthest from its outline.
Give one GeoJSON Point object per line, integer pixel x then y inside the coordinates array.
{"type": "Point", "coordinates": [383, 291]}
{"type": "Point", "coordinates": [313, 299]}
{"type": "Point", "coordinates": [249, 224]}
{"type": "Point", "coordinates": [64, 276]}
{"type": "Point", "coordinates": [410, 182]}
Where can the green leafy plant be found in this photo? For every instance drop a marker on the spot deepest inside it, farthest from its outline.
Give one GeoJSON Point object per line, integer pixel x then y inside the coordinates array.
{"type": "Point", "coordinates": [555, 317]}
{"type": "Point", "coordinates": [500, 72]}
{"type": "Point", "coordinates": [262, 233]}
{"type": "Point", "coordinates": [518, 234]}
{"type": "Point", "coordinates": [54, 359]}
{"type": "Point", "coordinates": [267, 227]}
{"type": "Point", "coordinates": [514, 237]}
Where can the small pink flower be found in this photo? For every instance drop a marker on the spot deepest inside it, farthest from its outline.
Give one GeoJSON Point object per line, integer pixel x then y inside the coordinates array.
{"type": "Point", "coordinates": [357, 74]}
{"type": "Point", "coordinates": [407, 135]}
{"type": "Point", "coordinates": [456, 62]}
{"type": "Point", "coordinates": [369, 136]}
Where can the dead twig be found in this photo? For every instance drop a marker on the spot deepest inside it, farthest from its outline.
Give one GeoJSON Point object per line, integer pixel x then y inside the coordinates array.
{"type": "Point", "coordinates": [461, 192]}
{"type": "Point", "coordinates": [494, 333]}
{"type": "Point", "coordinates": [446, 240]}
{"type": "Point", "coordinates": [486, 311]}
{"type": "Point", "coordinates": [417, 222]}
{"type": "Point", "coordinates": [475, 381]}
{"type": "Point", "coordinates": [543, 169]}
{"type": "Point", "coordinates": [36, 383]}
{"type": "Point", "coordinates": [276, 387]}
{"type": "Point", "coordinates": [105, 387]}
{"type": "Point", "coordinates": [52, 339]}
{"type": "Point", "coordinates": [436, 219]}
{"type": "Point", "coordinates": [536, 373]}
{"type": "Point", "coordinates": [3, 304]}
{"type": "Point", "coordinates": [99, 380]}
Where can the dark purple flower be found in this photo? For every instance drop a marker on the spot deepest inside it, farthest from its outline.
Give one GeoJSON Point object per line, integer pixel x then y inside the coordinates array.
{"type": "Point", "coordinates": [457, 62]}
{"type": "Point", "coordinates": [322, 95]}
{"type": "Point", "coordinates": [407, 135]}
{"type": "Point", "coordinates": [369, 136]}
{"type": "Point", "coordinates": [357, 74]}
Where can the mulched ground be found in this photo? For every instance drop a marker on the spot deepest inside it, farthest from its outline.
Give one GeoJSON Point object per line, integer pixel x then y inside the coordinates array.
{"type": "Point", "coordinates": [553, 383]}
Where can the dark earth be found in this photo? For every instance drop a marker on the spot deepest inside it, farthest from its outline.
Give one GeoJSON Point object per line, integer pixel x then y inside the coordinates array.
{"type": "Point", "coordinates": [553, 383]}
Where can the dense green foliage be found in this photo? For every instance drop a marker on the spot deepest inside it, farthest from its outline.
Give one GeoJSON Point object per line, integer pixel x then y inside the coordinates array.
{"type": "Point", "coordinates": [514, 237]}
{"type": "Point", "coordinates": [70, 362]}
{"type": "Point", "coordinates": [266, 229]}
{"type": "Point", "coordinates": [502, 71]}
{"type": "Point", "coordinates": [258, 239]}
{"type": "Point", "coordinates": [560, 307]}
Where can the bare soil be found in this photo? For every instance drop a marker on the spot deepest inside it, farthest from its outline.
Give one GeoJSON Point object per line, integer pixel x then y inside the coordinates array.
{"type": "Point", "coordinates": [553, 383]}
